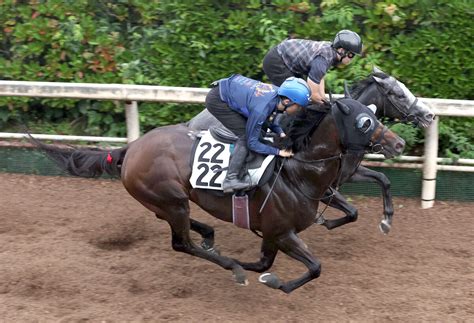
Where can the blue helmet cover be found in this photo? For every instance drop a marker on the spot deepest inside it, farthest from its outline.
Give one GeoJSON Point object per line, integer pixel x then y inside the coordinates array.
{"type": "Point", "coordinates": [297, 90]}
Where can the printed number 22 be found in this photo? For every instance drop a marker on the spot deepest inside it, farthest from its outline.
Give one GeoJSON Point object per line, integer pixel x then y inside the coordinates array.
{"type": "Point", "coordinates": [212, 182]}
{"type": "Point", "coordinates": [220, 149]}
{"type": "Point", "coordinates": [214, 159]}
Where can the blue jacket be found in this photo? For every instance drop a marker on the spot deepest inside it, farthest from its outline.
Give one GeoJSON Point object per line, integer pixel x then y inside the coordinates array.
{"type": "Point", "coordinates": [256, 101]}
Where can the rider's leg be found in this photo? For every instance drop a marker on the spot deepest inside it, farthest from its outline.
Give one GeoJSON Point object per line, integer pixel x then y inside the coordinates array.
{"type": "Point", "coordinates": [236, 123]}
{"type": "Point", "coordinates": [232, 182]}
{"type": "Point", "coordinates": [275, 68]}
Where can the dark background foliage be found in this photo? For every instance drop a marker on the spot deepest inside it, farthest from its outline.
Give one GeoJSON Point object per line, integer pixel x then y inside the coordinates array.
{"type": "Point", "coordinates": [426, 44]}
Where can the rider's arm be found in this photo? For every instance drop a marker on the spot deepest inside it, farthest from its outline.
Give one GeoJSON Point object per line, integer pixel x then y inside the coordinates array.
{"type": "Point", "coordinates": [253, 129]}
{"type": "Point", "coordinates": [275, 128]}
{"type": "Point", "coordinates": [318, 69]}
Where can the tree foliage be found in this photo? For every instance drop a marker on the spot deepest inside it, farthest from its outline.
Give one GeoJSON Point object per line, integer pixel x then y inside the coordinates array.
{"type": "Point", "coordinates": [426, 44]}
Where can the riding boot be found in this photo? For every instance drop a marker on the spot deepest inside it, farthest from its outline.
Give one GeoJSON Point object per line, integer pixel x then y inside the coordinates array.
{"type": "Point", "coordinates": [232, 182]}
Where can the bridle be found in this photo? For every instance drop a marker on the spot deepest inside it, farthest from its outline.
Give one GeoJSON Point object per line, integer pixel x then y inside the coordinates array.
{"type": "Point", "coordinates": [376, 146]}
{"type": "Point", "coordinates": [407, 117]}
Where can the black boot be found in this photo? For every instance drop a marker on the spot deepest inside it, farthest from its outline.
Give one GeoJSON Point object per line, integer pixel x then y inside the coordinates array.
{"type": "Point", "coordinates": [232, 182]}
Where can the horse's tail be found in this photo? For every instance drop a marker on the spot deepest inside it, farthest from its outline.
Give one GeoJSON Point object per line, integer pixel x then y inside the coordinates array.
{"type": "Point", "coordinates": [84, 162]}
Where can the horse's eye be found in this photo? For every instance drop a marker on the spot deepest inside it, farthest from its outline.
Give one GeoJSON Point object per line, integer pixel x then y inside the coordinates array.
{"type": "Point", "coordinates": [364, 124]}
{"type": "Point", "coordinates": [401, 97]}
{"type": "Point", "coordinates": [398, 93]}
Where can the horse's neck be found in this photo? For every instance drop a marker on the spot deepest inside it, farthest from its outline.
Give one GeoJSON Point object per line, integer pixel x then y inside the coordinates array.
{"type": "Point", "coordinates": [372, 95]}
{"type": "Point", "coordinates": [314, 170]}
{"type": "Point", "coordinates": [326, 138]}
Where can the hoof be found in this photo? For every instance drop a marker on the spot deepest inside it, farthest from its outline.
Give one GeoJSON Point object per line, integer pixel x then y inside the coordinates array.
{"type": "Point", "coordinates": [384, 226]}
{"type": "Point", "coordinates": [240, 277]}
{"type": "Point", "coordinates": [270, 280]}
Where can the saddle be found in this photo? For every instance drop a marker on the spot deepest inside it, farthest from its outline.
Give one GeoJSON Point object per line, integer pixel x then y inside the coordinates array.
{"type": "Point", "coordinates": [223, 135]}
{"type": "Point", "coordinates": [253, 161]}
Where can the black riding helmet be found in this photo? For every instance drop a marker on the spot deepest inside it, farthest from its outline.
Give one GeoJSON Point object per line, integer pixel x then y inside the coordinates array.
{"type": "Point", "coordinates": [348, 40]}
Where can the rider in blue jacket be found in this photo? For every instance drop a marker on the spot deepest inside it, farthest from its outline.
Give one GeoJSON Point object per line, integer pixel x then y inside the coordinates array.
{"type": "Point", "coordinates": [243, 105]}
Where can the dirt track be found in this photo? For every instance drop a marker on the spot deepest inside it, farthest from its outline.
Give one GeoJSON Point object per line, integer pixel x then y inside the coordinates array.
{"type": "Point", "coordinates": [77, 250]}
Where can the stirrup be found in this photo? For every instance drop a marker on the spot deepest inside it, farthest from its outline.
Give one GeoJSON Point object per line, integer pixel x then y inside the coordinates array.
{"type": "Point", "coordinates": [238, 185]}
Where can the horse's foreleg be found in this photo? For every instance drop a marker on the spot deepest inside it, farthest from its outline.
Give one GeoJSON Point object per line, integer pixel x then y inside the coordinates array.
{"type": "Point", "coordinates": [207, 234]}
{"type": "Point", "coordinates": [268, 253]}
{"type": "Point", "coordinates": [294, 247]}
{"type": "Point", "coordinates": [364, 174]}
{"type": "Point", "coordinates": [339, 202]}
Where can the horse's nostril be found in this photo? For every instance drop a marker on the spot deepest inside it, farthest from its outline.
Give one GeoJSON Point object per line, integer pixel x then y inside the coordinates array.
{"type": "Point", "coordinates": [399, 146]}
{"type": "Point", "coordinates": [429, 116]}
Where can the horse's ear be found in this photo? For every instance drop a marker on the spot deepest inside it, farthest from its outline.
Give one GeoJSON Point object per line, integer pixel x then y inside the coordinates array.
{"type": "Point", "coordinates": [386, 82]}
{"type": "Point", "coordinates": [347, 94]}
{"type": "Point", "coordinates": [375, 69]}
{"type": "Point", "coordinates": [343, 107]}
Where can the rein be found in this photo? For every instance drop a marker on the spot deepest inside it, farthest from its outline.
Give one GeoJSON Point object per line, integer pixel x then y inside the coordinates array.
{"type": "Point", "coordinates": [333, 192]}
{"type": "Point", "coordinates": [317, 160]}
{"type": "Point", "coordinates": [339, 157]}
{"type": "Point", "coordinates": [307, 162]}
{"type": "Point", "coordinates": [271, 188]}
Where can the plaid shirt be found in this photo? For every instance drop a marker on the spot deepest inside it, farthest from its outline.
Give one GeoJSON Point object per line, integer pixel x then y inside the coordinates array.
{"type": "Point", "coordinates": [299, 53]}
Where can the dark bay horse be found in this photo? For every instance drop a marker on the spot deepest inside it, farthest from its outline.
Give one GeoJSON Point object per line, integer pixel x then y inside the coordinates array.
{"type": "Point", "coordinates": [393, 101]}
{"type": "Point", "coordinates": [155, 170]}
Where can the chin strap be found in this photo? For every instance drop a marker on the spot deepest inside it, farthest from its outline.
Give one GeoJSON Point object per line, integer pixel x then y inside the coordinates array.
{"type": "Point", "coordinates": [337, 53]}
{"type": "Point", "coordinates": [285, 106]}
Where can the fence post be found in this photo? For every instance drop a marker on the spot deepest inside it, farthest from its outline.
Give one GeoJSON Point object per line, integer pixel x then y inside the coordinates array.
{"type": "Point", "coordinates": [428, 189]}
{"type": "Point", "coordinates": [132, 119]}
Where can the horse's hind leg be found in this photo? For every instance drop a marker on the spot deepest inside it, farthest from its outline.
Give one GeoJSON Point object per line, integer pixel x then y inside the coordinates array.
{"type": "Point", "coordinates": [294, 247]}
{"type": "Point", "coordinates": [207, 234]}
{"type": "Point", "coordinates": [268, 253]}
{"type": "Point", "coordinates": [179, 222]}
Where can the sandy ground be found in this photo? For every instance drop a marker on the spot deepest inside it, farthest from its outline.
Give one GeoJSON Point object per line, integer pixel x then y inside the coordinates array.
{"type": "Point", "coordinates": [75, 250]}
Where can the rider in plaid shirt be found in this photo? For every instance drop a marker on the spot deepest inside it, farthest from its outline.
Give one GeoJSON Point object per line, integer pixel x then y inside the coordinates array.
{"type": "Point", "coordinates": [311, 59]}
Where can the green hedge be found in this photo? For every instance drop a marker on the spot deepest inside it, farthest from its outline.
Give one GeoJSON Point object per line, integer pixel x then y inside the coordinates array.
{"type": "Point", "coordinates": [425, 44]}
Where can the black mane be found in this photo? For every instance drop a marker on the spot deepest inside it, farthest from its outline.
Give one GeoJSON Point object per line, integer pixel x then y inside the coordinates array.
{"type": "Point", "coordinates": [299, 129]}
{"type": "Point", "coordinates": [357, 89]}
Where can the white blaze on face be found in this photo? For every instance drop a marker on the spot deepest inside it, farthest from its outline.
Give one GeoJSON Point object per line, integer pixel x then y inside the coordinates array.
{"type": "Point", "coordinates": [410, 97]}
{"type": "Point", "coordinates": [424, 107]}
{"type": "Point", "coordinates": [422, 110]}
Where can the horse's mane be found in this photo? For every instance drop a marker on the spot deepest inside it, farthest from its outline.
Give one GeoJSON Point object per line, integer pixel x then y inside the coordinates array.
{"type": "Point", "coordinates": [357, 89]}
{"type": "Point", "coordinates": [300, 129]}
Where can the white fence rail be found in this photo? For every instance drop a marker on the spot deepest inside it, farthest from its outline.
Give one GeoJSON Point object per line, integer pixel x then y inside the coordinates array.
{"type": "Point", "coordinates": [133, 93]}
